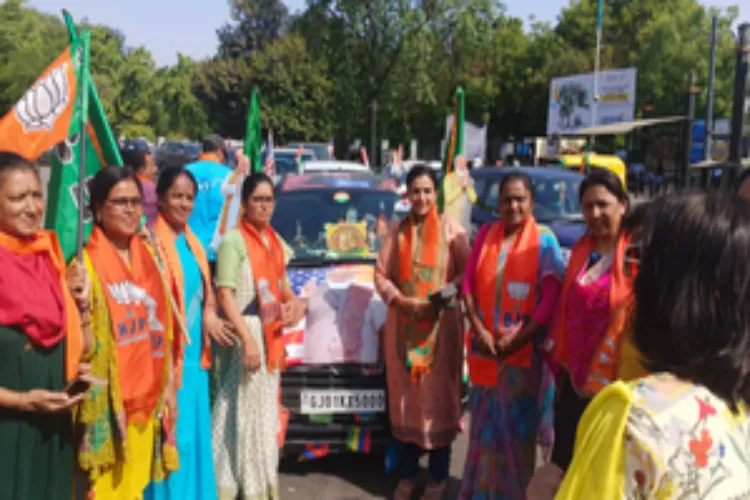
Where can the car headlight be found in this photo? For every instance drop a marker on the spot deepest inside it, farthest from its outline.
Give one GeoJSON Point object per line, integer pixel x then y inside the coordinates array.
{"type": "Point", "coordinates": [565, 255]}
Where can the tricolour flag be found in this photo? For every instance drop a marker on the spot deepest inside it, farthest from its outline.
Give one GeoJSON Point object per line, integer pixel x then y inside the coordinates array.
{"type": "Point", "coordinates": [269, 167]}
{"type": "Point", "coordinates": [454, 146]}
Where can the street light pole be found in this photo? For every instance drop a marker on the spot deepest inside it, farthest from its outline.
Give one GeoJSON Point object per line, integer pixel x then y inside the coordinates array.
{"type": "Point", "coordinates": [692, 90]}
{"type": "Point", "coordinates": [597, 64]}
{"type": "Point", "coordinates": [709, 138]}
{"type": "Point", "coordinates": [374, 134]}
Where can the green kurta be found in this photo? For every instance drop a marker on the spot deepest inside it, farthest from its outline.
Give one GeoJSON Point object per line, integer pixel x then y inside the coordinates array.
{"type": "Point", "coordinates": [36, 450]}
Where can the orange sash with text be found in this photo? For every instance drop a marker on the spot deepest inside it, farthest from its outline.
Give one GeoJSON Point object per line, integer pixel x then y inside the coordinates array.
{"type": "Point", "coordinates": [517, 295]}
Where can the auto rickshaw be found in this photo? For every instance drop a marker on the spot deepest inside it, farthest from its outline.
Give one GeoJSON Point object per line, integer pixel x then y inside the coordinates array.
{"type": "Point", "coordinates": [577, 161]}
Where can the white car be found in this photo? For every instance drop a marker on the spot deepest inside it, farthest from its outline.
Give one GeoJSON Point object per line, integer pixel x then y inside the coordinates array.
{"type": "Point", "coordinates": [334, 166]}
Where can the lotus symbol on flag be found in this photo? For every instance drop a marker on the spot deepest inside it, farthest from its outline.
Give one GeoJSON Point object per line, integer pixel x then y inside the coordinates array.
{"type": "Point", "coordinates": [518, 290]}
{"type": "Point", "coordinates": [44, 101]}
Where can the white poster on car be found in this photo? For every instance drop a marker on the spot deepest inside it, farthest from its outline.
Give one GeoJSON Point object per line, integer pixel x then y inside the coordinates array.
{"type": "Point", "coordinates": [571, 100]}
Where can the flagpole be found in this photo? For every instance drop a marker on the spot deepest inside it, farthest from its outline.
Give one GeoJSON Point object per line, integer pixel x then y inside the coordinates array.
{"type": "Point", "coordinates": [84, 109]}
{"type": "Point", "coordinates": [597, 64]}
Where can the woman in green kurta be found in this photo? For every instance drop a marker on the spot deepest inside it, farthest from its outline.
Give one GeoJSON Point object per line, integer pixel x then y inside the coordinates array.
{"type": "Point", "coordinates": [41, 341]}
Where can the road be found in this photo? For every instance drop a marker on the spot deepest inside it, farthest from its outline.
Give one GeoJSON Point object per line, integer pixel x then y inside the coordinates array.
{"type": "Point", "coordinates": [354, 477]}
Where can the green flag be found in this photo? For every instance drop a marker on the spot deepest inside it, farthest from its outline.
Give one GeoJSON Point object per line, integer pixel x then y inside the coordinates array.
{"type": "Point", "coordinates": [253, 139]}
{"type": "Point", "coordinates": [91, 145]}
{"type": "Point", "coordinates": [454, 146]}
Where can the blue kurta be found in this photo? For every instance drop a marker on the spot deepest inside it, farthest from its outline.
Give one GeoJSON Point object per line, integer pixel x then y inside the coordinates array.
{"type": "Point", "coordinates": [195, 478]}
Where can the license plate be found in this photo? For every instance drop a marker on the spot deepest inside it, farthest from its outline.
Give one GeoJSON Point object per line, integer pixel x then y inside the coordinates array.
{"type": "Point", "coordinates": [342, 401]}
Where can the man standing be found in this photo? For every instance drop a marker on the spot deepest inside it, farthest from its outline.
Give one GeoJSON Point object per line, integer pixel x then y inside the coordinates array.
{"type": "Point", "coordinates": [210, 173]}
{"type": "Point", "coordinates": [145, 168]}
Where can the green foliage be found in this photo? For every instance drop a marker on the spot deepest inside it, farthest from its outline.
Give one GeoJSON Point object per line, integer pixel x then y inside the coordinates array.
{"type": "Point", "coordinates": [319, 73]}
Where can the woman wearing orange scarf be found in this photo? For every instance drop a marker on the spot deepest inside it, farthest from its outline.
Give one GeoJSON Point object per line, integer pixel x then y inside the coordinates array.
{"type": "Point", "coordinates": [128, 425]}
{"type": "Point", "coordinates": [593, 304]}
{"type": "Point", "coordinates": [42, 337]}
{"type": "Point", "coordinates": [256, 298]}
{"type": "Point", "coordinates": [422, 255]}
{"type": "Point", "coordinates": [186, 260]}
{"type": "Point", "coordinates": [510, 290]}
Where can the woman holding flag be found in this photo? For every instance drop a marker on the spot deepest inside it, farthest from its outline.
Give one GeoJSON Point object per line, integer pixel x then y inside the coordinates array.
{"type": "Point", "coordinates": [44, 330]}
{"type": "Point", "coordinates": [258, 301]}
{"type": "Point", "coordinates": [510, 291]}
{"type": "Point", "coordinates": [421, 257]}
{"type": "Point", "coordinates": [127, 425]}
{"type": "Point", "coordinates": [184, 257]}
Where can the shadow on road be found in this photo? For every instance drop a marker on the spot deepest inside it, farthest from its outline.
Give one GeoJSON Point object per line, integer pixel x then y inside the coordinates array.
{"type": "Point", "coordinates": [347, 477]}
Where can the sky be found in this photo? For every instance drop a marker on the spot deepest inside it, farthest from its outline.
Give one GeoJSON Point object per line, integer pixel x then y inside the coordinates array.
{"type": "Point", "coordinates": [166, 27]}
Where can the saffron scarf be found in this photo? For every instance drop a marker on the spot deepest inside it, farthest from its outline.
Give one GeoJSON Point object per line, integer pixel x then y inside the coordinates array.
{"type": "Point", "coordinates": [269, 271]}
{"type": "Point", "coordinates": [517, 298]}
{"type": "Point", "coordinates": [214, 157]}
{"type": "Point", "coordinates": [165, 238]}
{"type": "Point", "coordinates": [619, 295]}
{"type": "Point", "coordinates": [46, 243]}
{"type": "Point", "coordinates": [421, 263]}
{"type": "Point", "coordinates": [137, 304]}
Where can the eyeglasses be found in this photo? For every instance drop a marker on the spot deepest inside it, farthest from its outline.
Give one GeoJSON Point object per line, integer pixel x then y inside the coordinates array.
{"type": "Point", "coordinates": [123, 203]}
{"type": "Point", "coordinates": [259, 200]}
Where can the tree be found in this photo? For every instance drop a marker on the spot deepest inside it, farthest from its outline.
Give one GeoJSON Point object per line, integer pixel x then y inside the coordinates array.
{"type": "Point", "coordinates": [176, 110]}
{"type": "Point", "coordinates": [255, 23]}
{"type": "Point", "coordinates": [295, 96]}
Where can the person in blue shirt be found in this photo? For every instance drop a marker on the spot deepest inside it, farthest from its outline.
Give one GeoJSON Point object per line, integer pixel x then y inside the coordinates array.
{"type": "Point", "coordinates": [210, 172]}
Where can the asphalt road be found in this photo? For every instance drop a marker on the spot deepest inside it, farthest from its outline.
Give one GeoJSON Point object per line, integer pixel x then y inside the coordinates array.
{"type": "Point", "coordinates": [354, 477]}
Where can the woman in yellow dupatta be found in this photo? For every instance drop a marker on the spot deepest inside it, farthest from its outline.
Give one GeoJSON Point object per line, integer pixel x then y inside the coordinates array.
{"type": "Point", "coordinates": [682, 431]}
{"type": "Point", "coordinates": [422, 255]}
{"type": "Point", "coordinates": [127, 426]}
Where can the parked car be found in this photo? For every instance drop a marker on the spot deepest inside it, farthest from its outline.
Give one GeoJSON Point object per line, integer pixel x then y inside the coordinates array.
{"type": "Point", "coordinates": [285, 160]}
{"type": "Point", "coordinates": [335, 379]}
{"type": "Point", "coordinates": [556, 203]}
{"type": "Point", "coordinates": [319, 149]}
{"type": "Point", "coordinates": [136, 144]}
{"type": "Point", "coordinates": [176, 154]}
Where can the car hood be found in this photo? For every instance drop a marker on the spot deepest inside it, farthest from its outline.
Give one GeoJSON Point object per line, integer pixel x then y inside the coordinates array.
{"type": "Point", "coordinates": [343, 318]}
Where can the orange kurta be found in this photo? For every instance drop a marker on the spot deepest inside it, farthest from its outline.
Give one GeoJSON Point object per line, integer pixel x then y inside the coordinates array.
{"type": "Point", "coordinates": [425, 412]}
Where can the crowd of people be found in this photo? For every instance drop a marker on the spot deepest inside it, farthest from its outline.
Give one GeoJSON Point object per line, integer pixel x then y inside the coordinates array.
{"type": "Point", "coordinates": [624, 374]}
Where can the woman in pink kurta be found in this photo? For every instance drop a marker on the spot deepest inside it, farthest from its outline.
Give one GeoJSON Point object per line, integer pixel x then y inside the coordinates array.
{"type": "Point", "coordinates": [424, 409]}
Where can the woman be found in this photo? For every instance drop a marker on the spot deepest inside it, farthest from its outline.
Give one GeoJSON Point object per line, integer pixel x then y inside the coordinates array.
{"type": "Point", "coordinates": [422, 255]}
{"type": "Point", "coordinates": [258, 301]}
{"type": "Point", "coordinates": [186, 260]}
{"type": "Point", "coordinates": [128, 425]}
{"type": "Point", "coordinates": [42, 337]}
{"type": "Point", "coordinates": [681, 432]}
{"type": "Point", "coordinates": [511, 286]}
{"type": "Point", "coordinates": [598, 286]}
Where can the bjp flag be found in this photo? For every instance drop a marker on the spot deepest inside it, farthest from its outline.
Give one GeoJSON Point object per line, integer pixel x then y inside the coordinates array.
{"type": "Point", "coordinates": [42, 118]}
{"type": "Point", "coordinates": [88, 139]}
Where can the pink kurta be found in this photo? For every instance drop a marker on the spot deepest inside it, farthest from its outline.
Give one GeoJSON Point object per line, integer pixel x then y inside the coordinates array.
{"type": "Point", "coordinates": [425, 413]}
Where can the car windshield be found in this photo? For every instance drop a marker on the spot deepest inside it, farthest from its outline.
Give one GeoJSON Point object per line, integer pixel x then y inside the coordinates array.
{"type": "Point", "coordinates": [286, 163]}
{"type": "Point", "coordinates": [555, 197]}
{"type": "Point", "coordinates": [319, 150]}
{"type": "Point", "coordinates": [335, 224]}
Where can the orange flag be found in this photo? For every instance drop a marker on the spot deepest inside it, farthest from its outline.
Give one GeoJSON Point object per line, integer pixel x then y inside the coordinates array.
{"type": "Point", "coordinates": [42, 117]}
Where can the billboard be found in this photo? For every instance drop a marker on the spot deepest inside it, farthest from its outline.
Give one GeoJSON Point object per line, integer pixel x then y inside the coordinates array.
{"type": "Point", "coordinates": [571, 100]}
